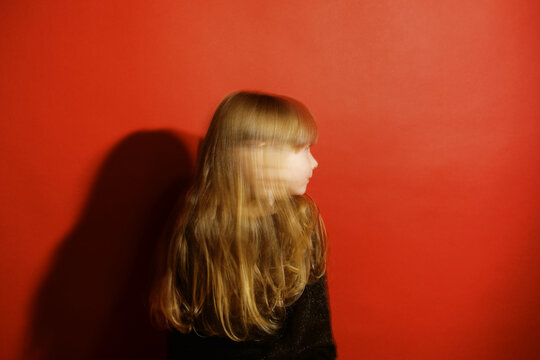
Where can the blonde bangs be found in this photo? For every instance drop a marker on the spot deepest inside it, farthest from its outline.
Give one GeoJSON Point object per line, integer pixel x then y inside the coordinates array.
{"type": "Point", "coordinates": [270, 119]}
{"type": "Point", "coordinates": [297, 129]}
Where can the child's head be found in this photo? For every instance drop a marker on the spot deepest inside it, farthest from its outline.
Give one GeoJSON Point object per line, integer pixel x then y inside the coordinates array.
{"type": "Point", "coordinates": [260, 142]}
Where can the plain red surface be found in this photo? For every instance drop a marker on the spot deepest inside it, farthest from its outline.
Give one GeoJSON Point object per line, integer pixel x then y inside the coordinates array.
{"type": "Point", "coordinates": [428, 177]}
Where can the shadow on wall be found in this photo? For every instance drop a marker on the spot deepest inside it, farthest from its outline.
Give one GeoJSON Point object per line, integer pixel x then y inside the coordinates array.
{"type": "Point", "coordinates": [93, 303]}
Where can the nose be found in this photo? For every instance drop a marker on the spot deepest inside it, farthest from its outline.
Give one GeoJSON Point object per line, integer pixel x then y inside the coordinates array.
{"type": "Point", "coordinates": [314, 162]}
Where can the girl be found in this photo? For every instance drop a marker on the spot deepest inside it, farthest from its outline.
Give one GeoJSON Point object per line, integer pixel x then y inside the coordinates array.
{"type": "Point", "coordinates": [244, 273]}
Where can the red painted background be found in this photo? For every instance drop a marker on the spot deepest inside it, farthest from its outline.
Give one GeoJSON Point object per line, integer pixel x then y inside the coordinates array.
{"type": "Point", "coordinates": [428, 178]}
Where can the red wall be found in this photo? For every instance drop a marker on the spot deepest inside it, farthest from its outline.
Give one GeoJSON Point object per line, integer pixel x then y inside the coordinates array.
{"type": "Point", "coordinates": [428, 178]}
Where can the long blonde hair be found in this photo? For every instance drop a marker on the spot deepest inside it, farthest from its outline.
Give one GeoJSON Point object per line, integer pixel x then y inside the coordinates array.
{"type": "Point", "coordinates": [239, 256]}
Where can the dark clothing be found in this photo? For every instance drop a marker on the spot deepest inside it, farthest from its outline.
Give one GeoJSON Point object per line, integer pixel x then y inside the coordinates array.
{"type": "Point", "coordinates": [306, 334]}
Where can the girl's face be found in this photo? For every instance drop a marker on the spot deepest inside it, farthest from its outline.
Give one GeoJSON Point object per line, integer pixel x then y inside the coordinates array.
{"type": "Point", "coordinates": [297, 169]}
{"type": "Point", "coordinates": [279, 168]}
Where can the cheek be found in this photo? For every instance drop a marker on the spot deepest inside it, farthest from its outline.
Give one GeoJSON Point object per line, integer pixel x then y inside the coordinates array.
{"type": "Point", "coordinates": [304, 165]}
{"type": "Point", "coordinates": [292, 168]}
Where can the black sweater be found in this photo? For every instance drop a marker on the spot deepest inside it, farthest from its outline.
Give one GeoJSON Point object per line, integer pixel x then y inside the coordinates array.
{"type": "Point", "coordinates": [307, 334]}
